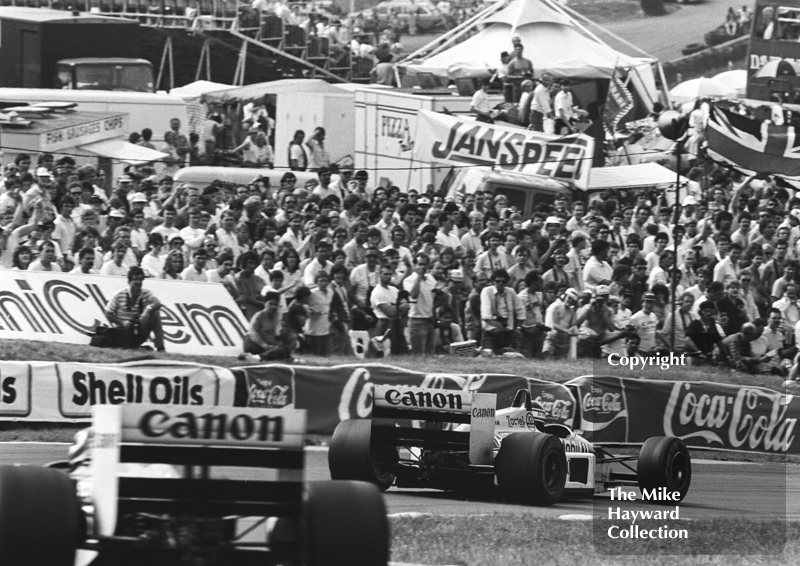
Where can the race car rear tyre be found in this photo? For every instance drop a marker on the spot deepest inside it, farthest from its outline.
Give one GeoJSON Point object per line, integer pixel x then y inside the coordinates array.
{"type": "Point", "coordinates": [346, 525]}
{"type": "Point", "coordinates": [40, 517]}
{"type": "Point", "coordinates": [531, 468]}
{"type": "Point", "coordinates": [665, 462]}
{"type": "Point", "coordinates": [350, 456]}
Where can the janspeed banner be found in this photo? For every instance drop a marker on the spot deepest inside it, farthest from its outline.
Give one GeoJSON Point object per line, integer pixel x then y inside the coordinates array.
{"type": "Point", "coordinates": [334, 394]}
{"type": "Point", "coordinates": [66, 392]}
{"type": "Point", "coordinates": [198, 318]}
{"type": "Point", "coordinates": [441, 138]}
{"type": "Point", "coordinates": [702, 414]}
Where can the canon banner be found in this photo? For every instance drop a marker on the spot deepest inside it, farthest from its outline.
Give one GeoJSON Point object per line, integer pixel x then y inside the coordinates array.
{"type": "Point", "coordinates": [337, 393]}
{"type": "Point", "coordinates": [702, 414]}
{"type": "Point", "coordinates": [198, 318]}
{"type": "Point", "coordinates": [441, 138]}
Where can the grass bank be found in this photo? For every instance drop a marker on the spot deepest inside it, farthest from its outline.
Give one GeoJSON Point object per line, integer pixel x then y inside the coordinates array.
{"type": "Point", "coordinates": [517, 540]}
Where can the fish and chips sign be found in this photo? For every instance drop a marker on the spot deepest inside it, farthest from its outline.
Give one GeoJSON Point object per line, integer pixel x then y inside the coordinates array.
{"type": "Point", "coordinates": [464, 141]}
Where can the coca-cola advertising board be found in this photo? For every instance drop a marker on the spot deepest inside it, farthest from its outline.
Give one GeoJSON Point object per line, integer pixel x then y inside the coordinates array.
{"type": "Point", "coordinates": [603, 405]}
{"type": "Point", "coordinates": [702, 414]}
{"type": "Point", "coordinates": [730, 417]}
{"type": "Point", "coordinates": [334, 394]}
{"type": "Point", "coordinates": [267, 387]}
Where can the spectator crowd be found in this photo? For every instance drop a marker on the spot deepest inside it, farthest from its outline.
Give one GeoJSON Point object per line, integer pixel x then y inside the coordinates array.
{"type": "Point", "coordinates": [420, 273]}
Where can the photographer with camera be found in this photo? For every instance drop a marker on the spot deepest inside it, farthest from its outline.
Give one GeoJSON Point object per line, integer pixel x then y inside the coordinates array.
{"type": "Point", "coordinates": [596, 325]}
{"type": "Point", "coordinates": [502, 314]}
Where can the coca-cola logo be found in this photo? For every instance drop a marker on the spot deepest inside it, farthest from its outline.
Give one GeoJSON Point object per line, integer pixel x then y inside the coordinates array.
{"type": "Point", "coordinates": [746, 418]}
{"type": "Point", "coordinates": [271, 387]}
{"type": "Point", "coordinates": [601, 402]}
{"type": "Point", "coordinates": [356, 399]}
{"type": "Point", "coordinates": [265, 394]}
{"type": "Point", "coordinates": [556, 408]}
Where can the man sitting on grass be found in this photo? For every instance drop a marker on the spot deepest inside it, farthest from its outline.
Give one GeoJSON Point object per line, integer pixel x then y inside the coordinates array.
{"type": "Point", "coordinates": [137, 311]}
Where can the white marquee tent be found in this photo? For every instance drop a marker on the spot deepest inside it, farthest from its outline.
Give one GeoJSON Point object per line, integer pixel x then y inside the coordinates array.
{"type": "Point", "coordinates": [554, 41]}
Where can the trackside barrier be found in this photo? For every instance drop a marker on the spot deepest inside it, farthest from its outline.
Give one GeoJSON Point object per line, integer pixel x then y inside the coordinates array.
{"type": "Point", "coordinates": [609, 409]}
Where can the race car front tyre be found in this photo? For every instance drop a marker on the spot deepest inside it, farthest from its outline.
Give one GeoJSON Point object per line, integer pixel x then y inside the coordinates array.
{"type": "Point", "coordinates": [40, 517]}
{"type": "Point", "coordinates": [531, 468]}
{"type": "Point", "coordinates": [346, 525]}
{"type": "Point", "coordinates": [350, 456]}
{"type": "Point", "coordinates": [665, 462]}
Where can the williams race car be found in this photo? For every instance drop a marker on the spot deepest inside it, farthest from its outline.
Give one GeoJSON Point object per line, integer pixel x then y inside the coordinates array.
{"type": "Point", "coordinates": [456, 440]}
{"type": "Point", "coordinates": [140, 489]}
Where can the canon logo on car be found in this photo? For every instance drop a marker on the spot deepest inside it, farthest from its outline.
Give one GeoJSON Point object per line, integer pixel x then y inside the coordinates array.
{"type": "Point", "coordinates": [752, 418]}
{"type": "Point", "coordinates": [212, 426]}
{"type": "Point", "coordinates": [422, 398]}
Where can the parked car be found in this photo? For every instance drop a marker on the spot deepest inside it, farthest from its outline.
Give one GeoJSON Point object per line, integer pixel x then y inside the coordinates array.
{"type": "Point", "coordinates": [428, 17]}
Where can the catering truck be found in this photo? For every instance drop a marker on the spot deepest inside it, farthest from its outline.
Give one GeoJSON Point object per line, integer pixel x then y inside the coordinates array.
{"type": "Point", "coordinates": [43, 48]}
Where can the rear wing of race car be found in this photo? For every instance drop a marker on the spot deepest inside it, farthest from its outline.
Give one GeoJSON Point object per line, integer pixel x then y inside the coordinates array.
{"type": "Point", "coordinates": [195, 439]}
{"type": "Point", "coordinates": [436, 412]}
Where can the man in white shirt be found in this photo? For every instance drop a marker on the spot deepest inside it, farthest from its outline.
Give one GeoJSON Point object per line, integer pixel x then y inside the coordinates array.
{"type": "Point", "coordinates": [197, 271]}
{"type": "Point", "coordinates": [420, 285]}
{"type": "Point", "coordinates": [481, 105]}
{"type": "Point", "coordinates": [541, 107]}
{"type": "Point", "coordinates": [645, 322]}
{"type": "Point", "coordinates": [502, 314]}
{"type": "Point", "coordinates": [563, 106]}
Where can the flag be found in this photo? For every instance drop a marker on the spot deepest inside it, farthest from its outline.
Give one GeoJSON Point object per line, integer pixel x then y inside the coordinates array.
{"type": "Point", "coordinates": [753, 145]}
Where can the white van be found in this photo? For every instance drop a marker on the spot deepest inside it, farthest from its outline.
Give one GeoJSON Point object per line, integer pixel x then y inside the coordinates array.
{"type": "Point", "coordinates": [523, 191]}
{"type": "Point", "coordinates": [203, 176]}
{"type": "Point", "coordinates": [146, 110]}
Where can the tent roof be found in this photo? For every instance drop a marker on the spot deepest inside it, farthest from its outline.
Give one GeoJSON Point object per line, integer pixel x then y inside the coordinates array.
{"type": "Point", "coordinates": [257, 91]}
{"type": "Point", "coordinates": [518, 14]}
{"type": "Point", "coordinates": [199, 88]}
{"type": "Point", "coordinates": [553, 41]}
{"type": "Point", "coordinates": [630, 176]}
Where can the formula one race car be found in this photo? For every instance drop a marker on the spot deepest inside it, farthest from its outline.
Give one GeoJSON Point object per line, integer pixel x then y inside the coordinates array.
{"type": "Point", "coordinates": [140, 489]}
{"type": "Point", "coordinates": [458, 441]}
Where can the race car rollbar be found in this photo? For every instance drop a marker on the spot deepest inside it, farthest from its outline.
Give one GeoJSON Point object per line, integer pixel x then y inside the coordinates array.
{"type": "Point", "coordinates": [123, 515]}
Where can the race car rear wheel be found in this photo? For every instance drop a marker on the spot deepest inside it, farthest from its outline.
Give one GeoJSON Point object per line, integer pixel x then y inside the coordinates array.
{"type": "Point", "coordinates": [665, 462]}
{"type": "Point", "coordinates": [531, 468]}
{"type": "Point", "coordinates": [346, 525]}
{"type": "Point", "coordinates": [40, 517]}
{"type": "Point", "coordinates": [350, 456]}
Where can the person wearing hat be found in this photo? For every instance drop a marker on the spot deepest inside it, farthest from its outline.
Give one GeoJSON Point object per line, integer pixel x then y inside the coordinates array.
{"type": "Point", "coordinates": [502, 315]}
{"type": "Point", "coordinates": [644, 323]}
{"type": "Point", "coordinates": [560, 317]}
{"type": "Point", "coordinates": [119, 197]}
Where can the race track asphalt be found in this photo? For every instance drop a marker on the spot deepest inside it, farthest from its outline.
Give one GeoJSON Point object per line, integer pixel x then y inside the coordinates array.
{"type": "Point", "coordinates": [719, 489]}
